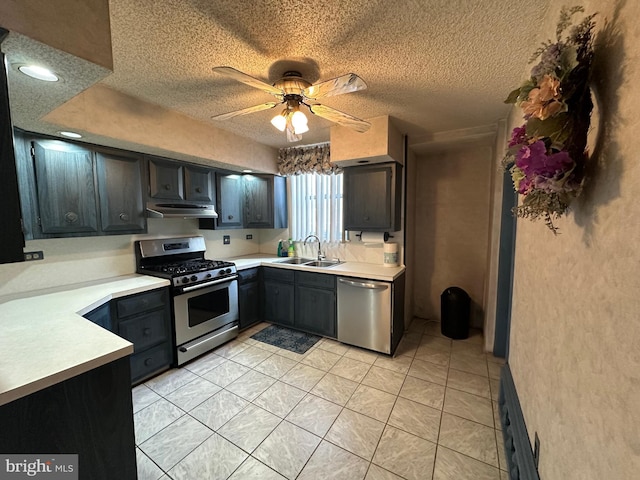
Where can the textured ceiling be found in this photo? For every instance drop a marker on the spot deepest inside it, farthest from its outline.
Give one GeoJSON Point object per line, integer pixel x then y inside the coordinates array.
{"type": "Point", "coordinates": [435, 65]}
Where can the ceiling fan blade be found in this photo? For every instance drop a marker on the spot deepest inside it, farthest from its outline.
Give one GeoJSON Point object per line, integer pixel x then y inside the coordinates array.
{"type": "Point", "coordinates": [336, 86]}
{"type": "Point", "coordinates": [239, 76]}
{"type": "Point", "coordinates": [244, 111]}
{"type": "Point", "coordinates": [339, 117]}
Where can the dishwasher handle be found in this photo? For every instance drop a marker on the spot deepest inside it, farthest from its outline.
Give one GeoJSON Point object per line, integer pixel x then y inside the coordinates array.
{"type": "Point", "coordinates": [367, 285]}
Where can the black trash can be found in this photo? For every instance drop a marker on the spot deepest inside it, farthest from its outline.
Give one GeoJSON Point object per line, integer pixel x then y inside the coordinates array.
{"type": "Point", "coordinates": [455, 306]}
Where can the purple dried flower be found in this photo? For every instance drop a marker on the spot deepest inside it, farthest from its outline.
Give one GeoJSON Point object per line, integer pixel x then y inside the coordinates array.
{"type": "Point", "coordinates": [549, 61]}
{"type": "Point", "coordinates": [518, 136]}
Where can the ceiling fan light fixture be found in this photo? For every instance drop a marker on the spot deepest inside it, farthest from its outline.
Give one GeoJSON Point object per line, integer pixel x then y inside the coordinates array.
{"type": "Point", "coordinates": [300, 129]}
{"type": "Point", "coordinates": [299, 121]}
{"type": "Point", "coordinates": [280, 121]}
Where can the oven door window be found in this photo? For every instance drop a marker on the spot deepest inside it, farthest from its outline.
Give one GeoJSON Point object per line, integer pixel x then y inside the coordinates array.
{"type": "Point", "coordinates": [208, 306]}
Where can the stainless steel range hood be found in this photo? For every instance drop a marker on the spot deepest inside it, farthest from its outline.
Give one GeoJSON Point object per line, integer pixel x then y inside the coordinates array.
{"type": "Point", "coordinates": [185, 210]}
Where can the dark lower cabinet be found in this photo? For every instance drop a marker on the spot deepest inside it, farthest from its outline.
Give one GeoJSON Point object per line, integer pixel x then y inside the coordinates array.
{"type": "Point", "coordinates": [316, 310]}
{"type": "Point", "coordinates": [316, 303]}
{"type": "Point", "coordinates": [90, 415]}
{"type": "Point", "coordinates": [101, 316]}
{"type": "Point", "coordinates": [278, 306]}
{"type": "Point", "coordinates": [301, 300]}
{"type": "Point", "coordinates": [249, 297]}
{"type": "Point", "coordinates": [145, 320]}
{"type": "Point", "coordinates": [278, 296]}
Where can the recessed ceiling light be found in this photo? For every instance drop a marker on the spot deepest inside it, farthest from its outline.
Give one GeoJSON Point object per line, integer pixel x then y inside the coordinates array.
{"type": "Point", "coordinates": [70, 134]}
{"type": "Point", "coordinates": [40, 73]}
{"type": "Point", "coordinates": [247, 171]}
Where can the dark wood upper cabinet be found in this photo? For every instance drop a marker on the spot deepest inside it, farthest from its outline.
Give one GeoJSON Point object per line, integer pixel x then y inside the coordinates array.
{"type": "Point", "coordinates": [265, 200]}
{"type": "Point", "coordinates": [166, 179]}
{"type": "Point", "coordinates": [119, 180]}
{"type": "Point", "coordinates": [258, 201]}
{"type": "Point", "coordinates": [249, 201]}
{"type": "Point", "coordinates": [199, 184]}
{"type": "Point", "coordinates": [66, 189]}
{"type": "Point", "coordinates": [230, 200]}
{"type": "Point", "coordinates": [372, 197]}
{"type": "Point", "coordinates": [69, 190]}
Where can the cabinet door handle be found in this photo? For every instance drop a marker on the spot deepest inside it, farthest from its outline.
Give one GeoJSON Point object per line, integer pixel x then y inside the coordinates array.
{"type": "Point", "coordinates": [124, 217]}
{"type": "Point", "coordinates": [198, 190]}
{"type": "Point", "coordinates": [146, 332]}
{"type": "Point", "coordinates": [276, 292]}
{"type": "Point", "coordinates": [230, 217]}
{"type": "Point", "coordinates": [71, 217]}
{"type": "Point", "coordinates": [366, 219]}
{"type": "Point", "coordinates": [148, 361]}
{"type": "Point", "coordinates": [167, 186]}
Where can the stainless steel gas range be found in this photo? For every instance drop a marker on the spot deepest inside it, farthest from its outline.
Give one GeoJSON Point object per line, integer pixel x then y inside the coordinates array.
{"type": "Point", "coordinates": [204, 292]}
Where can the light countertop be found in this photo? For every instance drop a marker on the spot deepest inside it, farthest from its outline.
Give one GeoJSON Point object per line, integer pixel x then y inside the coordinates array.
{"type": "Point", "coordinates": [370, 271]}
{"type": "Point", "coordinates": [45, 340]}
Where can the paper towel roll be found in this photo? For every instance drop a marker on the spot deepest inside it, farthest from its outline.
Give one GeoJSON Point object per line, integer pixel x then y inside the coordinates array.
{"type": "Point", "coordinates": [374, 237]}
{"type": "Point", "coordinates": [390, 254]}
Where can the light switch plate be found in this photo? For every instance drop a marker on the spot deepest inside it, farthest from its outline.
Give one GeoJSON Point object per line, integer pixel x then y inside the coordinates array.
{"type": "Point", "coordinates": [226, 240]}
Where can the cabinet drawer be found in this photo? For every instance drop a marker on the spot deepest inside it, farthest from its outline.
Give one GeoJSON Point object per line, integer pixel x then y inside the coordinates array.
{"type": "Point", "coordinates": [145, 330]}
{"type": "Point", "coordinates": [142, 303]}
{"type": "Point", "coordinates": [248, 276]}
{"type": "Point", "coordinates": [278, 274]}
{"type": "Point", "coordinates": [150, 361]}
{"type": "Point", "coordinates": [316, 279]}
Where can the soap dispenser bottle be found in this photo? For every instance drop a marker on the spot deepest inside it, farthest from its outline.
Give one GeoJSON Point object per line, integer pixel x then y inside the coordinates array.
{"type": "Point", "coordinates": [279, 248]}
{"type": "Point", "coordinates": [291, 251]}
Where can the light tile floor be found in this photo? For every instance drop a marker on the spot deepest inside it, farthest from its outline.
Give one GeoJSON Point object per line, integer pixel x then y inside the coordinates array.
{"type": "Point", "coordinates": [250, 410]}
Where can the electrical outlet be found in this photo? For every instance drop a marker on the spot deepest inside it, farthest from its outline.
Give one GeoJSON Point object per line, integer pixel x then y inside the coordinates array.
{"type": "Point", "coordinates": [536, 450]}
{"type": "Point", "coordinates": [29, 256]}
{"type": "Point", "coordinates": [249, 236]}
{"type": "Point", "coordinates": [226, 240]}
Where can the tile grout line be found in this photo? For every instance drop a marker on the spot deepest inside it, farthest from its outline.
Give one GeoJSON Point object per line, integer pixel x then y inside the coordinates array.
{"type": "Point", "coordinates": [299, 361]}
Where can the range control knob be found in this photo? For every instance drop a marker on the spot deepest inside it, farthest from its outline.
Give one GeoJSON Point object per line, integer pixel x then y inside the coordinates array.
{"type": "Point", "coordinates": [221, 272]}
{"type": "Point", "coordinates": [185, 280]}
{"type": "Point", "coordinates": [228, 270]}
{"type": "Point", "coordinates": [194, 278]}
{"type": "Point", "coordinates": [208, 275]}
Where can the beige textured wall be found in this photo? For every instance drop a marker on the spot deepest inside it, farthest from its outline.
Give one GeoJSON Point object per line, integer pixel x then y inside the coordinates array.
{"type": "Point", "coordinates": [82, 28]}
{"type": "Point", "coordinates": [128, 122]}
{"type": "Point", "coordinates": [575, 333]}
{"type": "Point", "coordinates": [69, 261]}
{"type": "Point", "coordinates": [451, 226]}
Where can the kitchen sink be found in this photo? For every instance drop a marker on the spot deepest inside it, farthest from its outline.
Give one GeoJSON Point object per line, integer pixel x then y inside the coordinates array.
{"type": "Point", "coordinates": [309, 262]}
{"type": "Point", "coordinates": [296, 260]}
{"type": "Point", "coordinates": [322, 263]}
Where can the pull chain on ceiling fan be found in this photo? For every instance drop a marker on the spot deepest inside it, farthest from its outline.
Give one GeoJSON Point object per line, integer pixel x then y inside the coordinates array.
{"type": "Point", "coordinates": [292, 90]}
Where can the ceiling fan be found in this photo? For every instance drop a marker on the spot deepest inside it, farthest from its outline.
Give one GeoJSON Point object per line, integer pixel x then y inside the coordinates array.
{"type": "Point", "coordinates": [292, 90]}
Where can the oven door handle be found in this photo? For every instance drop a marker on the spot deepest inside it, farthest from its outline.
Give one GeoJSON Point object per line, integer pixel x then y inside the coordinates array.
{"type": "Point", "coordinates": [209, 284]}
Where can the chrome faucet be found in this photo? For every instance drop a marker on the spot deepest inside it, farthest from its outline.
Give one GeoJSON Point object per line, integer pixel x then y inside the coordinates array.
{"type": "Point", "coordinates": [320, 255]}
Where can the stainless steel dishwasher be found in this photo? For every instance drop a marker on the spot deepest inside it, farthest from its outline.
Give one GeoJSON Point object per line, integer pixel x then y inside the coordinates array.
{"type": "Point", "coordinates": [364, 313]}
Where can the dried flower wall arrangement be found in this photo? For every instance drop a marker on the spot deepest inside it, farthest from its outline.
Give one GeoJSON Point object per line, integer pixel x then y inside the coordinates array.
{"type": "Point", "coordinates": [546, 156]}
